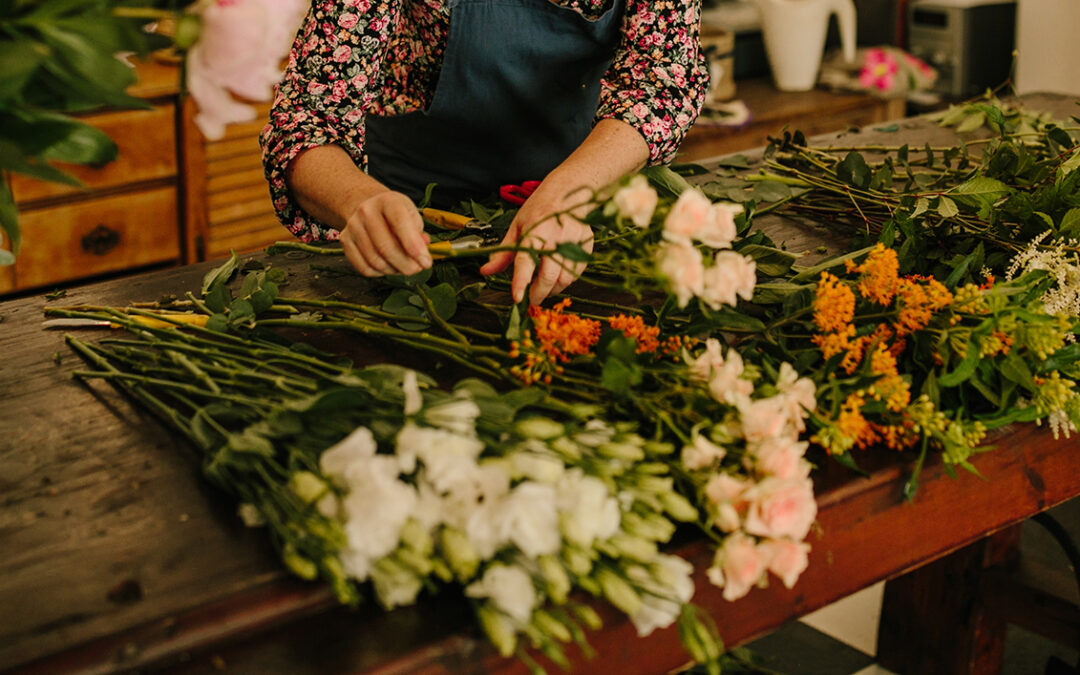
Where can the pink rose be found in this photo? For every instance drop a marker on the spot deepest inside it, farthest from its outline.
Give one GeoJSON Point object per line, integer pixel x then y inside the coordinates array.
{"type": "Point", "coordinates": [700, 453]}
{"type": "Point", "coordinates": [725, 493]}
{"type": "Point", "coordinates": [347, 20]}
{"type": "Point", "coordinates": [781, 457]}
{"type": "Point", "coordinates": [781, 508]}
{"type": "Point", "coordinates": [636, 201]}
{"type": "Point", "coordinates": [239, 52]}
{"type": "Point", "coordinates": [712, 357]}
{"type": "Point", "coordinates": [681, 265]}
{"type": "Point", "coordinates": [739, 565]}
{"type": "Point", "coordinates": [763, 419]}
{"type": "Point", "coordinates": [342, 54]}
{"type": "Point", "coordinates": [690, 213]}
{"type": "Point", "coordinates": [726, 383]}
{"type": "Point", "coordinates": [731, 276]}
{"type": "Point", "coordinates": [719, 230]}
{"type": "Point", "coordinates": [787, 559]}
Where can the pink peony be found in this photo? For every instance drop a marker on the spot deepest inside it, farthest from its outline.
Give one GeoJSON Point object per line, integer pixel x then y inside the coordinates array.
{"type": "Point", "coordinates": [781, 508]}
{"type": "Point", "coordinates": [238, 52]}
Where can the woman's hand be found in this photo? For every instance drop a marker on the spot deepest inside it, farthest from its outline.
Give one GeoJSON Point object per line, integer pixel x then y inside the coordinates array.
{"type": "Point", "coordinates": [384, 234]}
{"type": "Point", "coordinates": [543, 222]}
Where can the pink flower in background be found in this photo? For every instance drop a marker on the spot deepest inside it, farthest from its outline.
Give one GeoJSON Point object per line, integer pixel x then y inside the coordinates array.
{"type": "Point", "coordinates": [879, 70]}
{"type": "Point", "coordinates": [238, 54]}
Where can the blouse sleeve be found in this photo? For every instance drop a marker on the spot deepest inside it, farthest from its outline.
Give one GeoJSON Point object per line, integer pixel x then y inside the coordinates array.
{"type": "Point", "coordinates": [329, 85]}
{"type": "Point", "coordinates": [659, 75]}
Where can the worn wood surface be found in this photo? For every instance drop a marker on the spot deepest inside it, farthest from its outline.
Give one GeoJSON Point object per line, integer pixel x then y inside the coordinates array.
{"type": "Point", "coordinates": [117, 555]}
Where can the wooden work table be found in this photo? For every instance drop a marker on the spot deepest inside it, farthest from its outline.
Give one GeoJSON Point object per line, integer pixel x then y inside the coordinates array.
{"type": "Point", "coordinates": [117, 555]}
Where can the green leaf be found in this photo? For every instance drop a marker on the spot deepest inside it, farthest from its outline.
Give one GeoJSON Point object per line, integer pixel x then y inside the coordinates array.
{"type": "Point", "coordinates": [1071, 163]}
{"type": "Point", "coordinates": [513, 324]}
{"type": "Point", "coordinates": [240, 310]}
{"type": "Point", "coordinates": [573, 252]}
{"type": "Point", "coordinates": [218, 323]}
{"type": "Point", "coordinates": [971, 122]}
{"type": "Point", "coordinates": [845, 459]}
{"type": "Point", "coordinates": [770, 261]}
{"type": "Point", "coordinates": [218, 298]}
{"type": "Point", "coordinates": [222, 274]}
{"type": "Point", "coordinates": [772, 293]}
{"type": "Point", "coordinates": [770, 191]}
{"type": "Point", "coordinates": [965, 369]}
{"type": "Point", "coordinates": [734, 162]}
{"type": "Point", "coordinates": [19, 60]}
{"type": "Point", "coordinates": [811, 273]}
{"type": "Point", "coordinates": [853, 170]}
{"type": "Point", "coordinates": [1070, 224]}
{"type": "Point", "coordinates": [889, 128]}
{"type": "Point", "coordinates": [9, 217]}
{"type": "Point", "coordinates": [1016, 370]}
{"type": "Point", "coordinates": [730, 319]}
{"type": "Point", "coordinates": [444, 299]}
{"type": "Point", "coordinates": [921, 207]}
{"type": "Point", "coordinates": [947, 207]}
{"type": "Point", "coordinates": [979, 192]}
{"type": "Point", "coordinates": [663, 178]}
{"type": "Point", "coordinates": [13, 158]}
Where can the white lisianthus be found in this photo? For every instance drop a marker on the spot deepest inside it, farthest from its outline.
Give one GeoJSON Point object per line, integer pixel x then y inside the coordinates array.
{"type": "Point", "coordinates": [690, 214]}
{"type": "Point", "coordinates": [394, 585]}
{"type": "Point", "coordinates": [664, 595]}
{"type": "Point", "coordinates": [533, 460]}
{"type": "Point", "coordinates": [529, 519]}
{"type": "Point", "coordinates": [683, 267]}
{"type": "Point", "coordinates": [457, 414]}
{"type": "Point", "coordinates": [719, 230]}
{"type": "Point", "coordinates": [414, 441]}
{"type": "Point", "coordinates": [636, 201]}
{"type": "Point", "coordinates": [414, 400]}
{"type": "Point", "coordinates": [780, 508]}
{"type": "Point", "coordinates": [510, 589]}
{"type": "Point", "coordinates": [376, 509]}
{"type": "Point", "coordinates": [700, 453]}
{"type": "Point", "coordinates": [356, 447]}
{"type": "Point", "coordinates": [589, 511]}
{"type": "Point", "coordinates": [731, 276]}
{"type": "Point", "coordinates": [726, 383]}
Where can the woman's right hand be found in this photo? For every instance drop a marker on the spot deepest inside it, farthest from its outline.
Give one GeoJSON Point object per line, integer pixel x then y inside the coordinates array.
{"type": "Point", "coordinates": [384, 234]}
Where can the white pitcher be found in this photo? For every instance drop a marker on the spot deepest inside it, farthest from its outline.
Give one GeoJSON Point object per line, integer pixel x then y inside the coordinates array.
{"type": "Point", "coordinates": [794, 32]}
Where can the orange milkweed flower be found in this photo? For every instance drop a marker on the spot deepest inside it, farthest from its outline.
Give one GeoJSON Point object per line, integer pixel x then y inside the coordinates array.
{"type": "Point", "coordinates": [917, 299]}
{"type": "Point", "coordinates": [834, 304]}
{"type": "Point", "coordinates": [647, 337]}
{"type": "Point", "coordinates": [554, 338]}
{"type": "Point", "coordinates": [879, 275]}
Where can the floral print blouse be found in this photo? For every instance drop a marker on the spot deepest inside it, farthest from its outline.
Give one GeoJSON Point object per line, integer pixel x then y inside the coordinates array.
{"type": "Point", "coordinates": [353, 58]}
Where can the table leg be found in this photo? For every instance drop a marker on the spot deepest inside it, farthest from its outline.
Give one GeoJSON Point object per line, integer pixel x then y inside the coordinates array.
{"type": "Point", "coordinates": [936, 619]}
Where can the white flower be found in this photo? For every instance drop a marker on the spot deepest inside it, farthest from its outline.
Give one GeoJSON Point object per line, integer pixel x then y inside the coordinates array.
{"type": "Point", "coordinates": [529, 519]}
{"type": "Point", "coordinates": [457, 414]}
{"type": "Point", "coordinates": [684, 269]}
{"type": "Point", "coordinates": [356, 447]}
{"type": "Point", "coordinates": [395, 586]}
{"type": "Point", "coordinates": [414, 400]}
{"type": "Point", "coordinates": [664, 597]}
{"type": "Point", "coordinates": [700, 453]}
{"type": "Point", "coordinates": [534, 461]}
{"type": "Point", "coordinates": [691, 213]}
{"type": "Point", "coordinates": [589, 511]}
{"type": "Point", "coordinates": [376, 508]}
{"type": "Point", "coordinates": [726, 384]}
{"type": "Point", "coordinates": [429, 445]}
{"type": "Point", "coordinates": [636, 201]}
{"type": "Point", "coordinates": [510, 588]}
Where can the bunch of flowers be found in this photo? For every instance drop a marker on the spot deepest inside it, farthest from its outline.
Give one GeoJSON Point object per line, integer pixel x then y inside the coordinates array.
{"type": "Point", "coordinates": [375, 476]}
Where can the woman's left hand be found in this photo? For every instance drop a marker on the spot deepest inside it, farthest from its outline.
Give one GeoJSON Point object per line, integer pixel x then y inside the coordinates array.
{"type": "Point", "coordinates": [543, 222]}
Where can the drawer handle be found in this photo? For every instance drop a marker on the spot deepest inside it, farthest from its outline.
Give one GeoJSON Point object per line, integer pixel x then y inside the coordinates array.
{"type": "Point", "coordinates": [100, 240]}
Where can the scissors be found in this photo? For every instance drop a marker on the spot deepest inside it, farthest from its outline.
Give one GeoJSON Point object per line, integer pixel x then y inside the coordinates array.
{"type": "Point", "coordinates": [517, 194]}
{"type": "Point", "coordinates": [145, 321]}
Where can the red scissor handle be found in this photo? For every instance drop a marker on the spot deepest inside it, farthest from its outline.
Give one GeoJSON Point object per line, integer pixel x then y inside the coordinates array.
{"type": "Point", "coordinates": [517, 194]}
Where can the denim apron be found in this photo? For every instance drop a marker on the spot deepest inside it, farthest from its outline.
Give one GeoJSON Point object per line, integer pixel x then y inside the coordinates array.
{"type": "Point", "coordinates": [518, 92]}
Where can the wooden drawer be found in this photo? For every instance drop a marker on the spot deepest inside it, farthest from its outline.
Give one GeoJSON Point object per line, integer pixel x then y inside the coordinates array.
{"type": "Point", "coordinates": [99, 235]}
{"type": "Point", "coordinates": [146, 140]}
